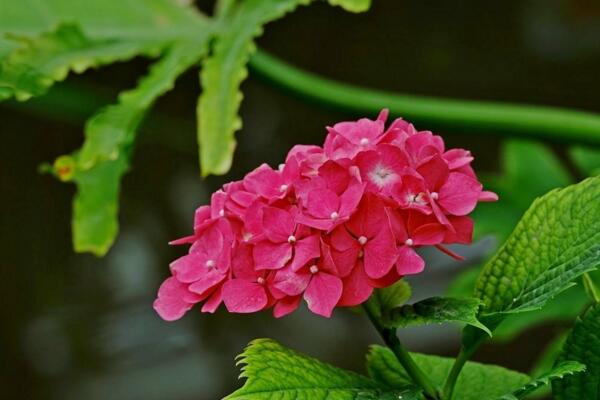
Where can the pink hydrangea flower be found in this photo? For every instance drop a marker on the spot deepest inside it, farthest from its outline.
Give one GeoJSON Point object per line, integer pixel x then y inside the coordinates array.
{"type": "Point", "coordinates": [329, 225]}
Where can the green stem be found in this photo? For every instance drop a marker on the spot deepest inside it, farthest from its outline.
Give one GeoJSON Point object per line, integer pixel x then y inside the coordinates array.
{"type": "Point", "coordinates": [548, 123]}
{"type": "Point", "coordinates": [393, 343]}
{"type": "Point", "coordinates": [457, 367]}
{"type": "Point", "coordinates": [590, 288]}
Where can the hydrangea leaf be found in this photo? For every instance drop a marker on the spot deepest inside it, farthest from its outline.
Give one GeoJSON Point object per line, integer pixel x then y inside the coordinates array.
{"type": "Point", "coordinates": [436, 310]}
{"type": "Point", "coordinates": [273, 372]}
{"type": "Point", "coordinates": [393, 296]}
{"type": "Point", "coordinates": [97, 169]}
{"type": "Point", "coordinates": [582, 345]}
{"type": "Point", "coordinates": [476, 381]}
{"type": "Point", "coordinates": [556, 241]}
{"type": "Point", "coordinates": [560, 371]}
{"type": "Point", "coordinates": [586, 159]}
{"type": "Point", "coordinates": [44, 53]}
{"type": "Point", "coordinates": [352, 5]}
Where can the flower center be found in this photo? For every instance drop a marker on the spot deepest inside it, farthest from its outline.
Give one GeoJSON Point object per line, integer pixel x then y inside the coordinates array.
{"type": "Point", "coordinates": [283, 188]}
{"type": "Point", "coordinates": [434, 195]}
{"type": "Point", "coordinates": [362, 240]}
{"type": "Point", "coordinates": [364, 141]}
{"type": "Point", "coordinates": [314, 269]}
{"type": "Point", "coordinates": [260, 280]}
{"type": "Point", "coordinates": [381, 176]}
{"type": "Point", "coordinates": [334, 215]}
{"type": "Point", "coordinates": [409, 242]}
{"type": "Point", "coordinates": [210, 264]}
{"type": "Point", "coordinates": [222, 213]}
{"type": "Point", "coordinates": [292, 239]}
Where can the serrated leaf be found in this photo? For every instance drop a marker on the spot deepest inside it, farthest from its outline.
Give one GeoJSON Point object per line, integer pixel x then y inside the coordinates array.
{"type": "Point", "coordinates": [582, 345]}
{"type": "Point", "coordinates": [557, 240]}
{"type": "Point", "coordinates": [476, 382]}
{"type": "Point", "coordinates": [352, 5]}
{"type": "Point", "coordinates": [436, 310]}
{"type": "Point", "coordinates": [97, 169]}
{"type": "Point", "coordinates": [273, 372]}
{"type": "Point", "coordinates": [560, 371]}
{"type": "Point", "coordinates": [222, 75]}
{"type": "Point", "coordinates": [385, 299]}
{"type": "Point", "coordinates": [586, 159]}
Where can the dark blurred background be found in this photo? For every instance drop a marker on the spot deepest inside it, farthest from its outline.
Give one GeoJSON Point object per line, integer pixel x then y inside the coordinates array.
{"type": "Point", "coordinates": [78, 327]}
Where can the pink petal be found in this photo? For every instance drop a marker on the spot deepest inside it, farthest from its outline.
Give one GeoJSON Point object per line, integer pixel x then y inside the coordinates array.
{"type": "Point", "coordinates": [457, 158]}
{"type": "Point", "coordinates": [208, 281]}
{"type": "Point", "coordinates": [428, 234]}
{"type": "Point", "coordinates": [322, 203]}
{"type": "Point", "coordinates": [268, 255]}
{"type": "Point", "coordinates": [189, 268]}
{"type": "Point", "coordinates": [290, 282]}
{"type": "Point", "coordinates": [243, 296]}
{"type": "Point", "coordinates": [335, 175]}
{"type": "Point", "coordinates": [263, 181]}
{"type": "Point", "coordinates": [305, 250]}
{"type": "Point", "coordinates": [323, 293]}
{"type": "Point", "coordinates": [170, 303]}
{"type": "Point", "coordinates": [463, 231]}
{"type": "Point", "coordinates": [242, 263]}
{"type": "Point", "coordinates": [459, 194]}
{"type": "Point", "coordinates": [391, 278]}
{"type": "Point", "coordinates": [356, 288]}
{"type": "Point", "coordinates": [214, 301]}
{"type": "Point", "coordinates": [487, 196]}
{"type": "Point", "coordinates": [434, 172]}
{"type": "Point", "coordinates": [409, 262]}
{"type": "Point", "coordinates": [286, 306]}
{"type": "Point", "coordinates": [350, 198]}
{"type": "Point", "coordinates": [380, 253]}
{"type": "Point", "coordinates": [278, 224]}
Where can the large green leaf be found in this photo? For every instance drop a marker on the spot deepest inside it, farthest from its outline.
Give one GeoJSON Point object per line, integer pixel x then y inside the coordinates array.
{"type": "Point", "coordinates": [273, 372]}
{"type": "Point", "coordinates": [583, 345]}
{"type": "Point", "coordinates": [557, 240]}
{"type": "Point", "coordinates": [97, 169]}
{"type": "Point", "coordinates": [476, 382]}
{"type": "Point", "coordinates": [47, 49]}
{"type": "Point", "coordinates": [560, 371]}
{"type": "Point", "coordinates": [222, 75]}
{"type": "Point", "coordinates": [436, 310]}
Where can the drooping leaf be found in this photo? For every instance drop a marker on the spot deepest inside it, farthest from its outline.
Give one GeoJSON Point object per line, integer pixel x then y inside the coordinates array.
{"type": "Point", "coordinates": [436, 310]}
{"type": "Point", "coordinates": [352, 5]}
{"type": "Point", "coordinates": [582, 345]}
{"type": "Point", "coordinates": [273, 372]}
{"type": "Point", "coordinates": [586, 159]}
{"type": "Point", "coordinates": [393, 296]}
{"type": "Point", "coordinates": [97, 169]}
{"type": "Point", "coordinates": [556, 241]}
{"type": "Point", "coordinates": [47, 50]}
{"type": "Point", "coordinates": [476, 382]}
{"type": "Point", "coordinates": [560, 371]}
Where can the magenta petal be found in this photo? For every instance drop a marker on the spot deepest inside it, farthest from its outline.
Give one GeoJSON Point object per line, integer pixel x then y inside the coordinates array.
{"type": "Point", "coordinates": [428, 234]}
{"type": "Point", "coordinates": [170, 303]}
{"type": "Point", "coordinates": [269, 255]}
{"type": "Point", "coordinates": [487, 196]}
{"type": "Point", "coordinates": [290, 282]}
{"type": "Point", "coordinates": [322, 203]}
{"type": "Point", "coordinates": [208, 281]}
{"type": "Point", "coordinates": [409, 262]}
{"type": "Point", "coordinates": [351, 197]}
{"type": "Point", "coordinates": [278, 224]}
{"type": "Point", "coordinates": [323, 293]}
{"type": "Point", "coordinates": [213, 302]}
{"type": "Point", "coordinates": [286, 306]}
{"type": "Point", "coordinates": [459, 194]}
{"type": "Point", "coordinates": [356, 288]}
{"type": "Point", "coordinates": [434, 171]}
{"type": "Point", "coordinates": [305, 250]}
{"type": "Point", "coordinates": [380, 254]}
{"type": "Point", "coordinates": [243, 296]}
{"type": "Point", "coordinates": [189, 268]}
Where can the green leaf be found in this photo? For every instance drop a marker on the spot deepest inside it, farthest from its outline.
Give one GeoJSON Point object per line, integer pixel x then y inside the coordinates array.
{"type": "Point", "coordinates": [100, 36]}
{"type": "Point", "coordinates": [582, 345]}
{"type": "Point", "coordinates": [436, 310]}
{"type": "Point", "coordinates": [352, 5]}
{"type": "Point", "coordinates": [557, 240]}
{"type": "Point", "coordinates": [222, 75]}
{"type": "Point", "coordinates": [97, 169]}
{"type": "Point", "coordinates": [393, 296]}
{"type": "Point", "coordinates": [562, 370]}
{"type": "Point", "coordinates": [274, 372]}
{"type": "Point", "coordinates": [476, 382]}
{"type": "Point", "coordinates": [586, 159]}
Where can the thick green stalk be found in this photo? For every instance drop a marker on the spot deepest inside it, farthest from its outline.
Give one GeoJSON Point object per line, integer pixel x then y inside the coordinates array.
{"type": "Point", "coordinates": [393, 343]}
{"type": "Point", "coordinates": [547, 123]}
{"type": "Point", "coordinates": [457, 367]}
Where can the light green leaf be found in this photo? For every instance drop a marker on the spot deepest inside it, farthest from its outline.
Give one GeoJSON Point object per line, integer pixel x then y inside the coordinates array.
{"type": "Point", "coordinates": [560, 371]}
{"type": "Point", "coordinates": [582, 345]}
{"type": "Point", "coordinates": [476, 382]}
{"type": "Point", "coordinates": [557, 240]}
{"type": "Point", "coordinates": [97, 169]}
{"type": "Point", "coordinates": [222, 75]}
{"type": "Point", "coordinates": [274, 372]}
{"type": "Point", "coordinates": [352, 5]}
{"type": "Point", "coordinates": [436, 310]}
{"type": "Point", "coordinates": [586, 159]}
{"type": "Point", "coordinates": [393, 296]}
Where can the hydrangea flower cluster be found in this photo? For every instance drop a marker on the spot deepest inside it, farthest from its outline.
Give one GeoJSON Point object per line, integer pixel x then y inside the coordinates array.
{"type": "Point", "coordinates": [329, 225]}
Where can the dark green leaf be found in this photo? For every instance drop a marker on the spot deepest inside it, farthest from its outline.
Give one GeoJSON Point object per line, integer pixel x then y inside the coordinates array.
{"type": "Point", "coordinates": [393, 296]}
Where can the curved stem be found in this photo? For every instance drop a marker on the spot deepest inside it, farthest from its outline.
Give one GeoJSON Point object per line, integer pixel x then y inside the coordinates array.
{"type": "Point", "coordinates": [393, 343]}
{"type": "Point", "coordinates": [457, 367]}
{"type": "Point", "coordinates": [548, 123]}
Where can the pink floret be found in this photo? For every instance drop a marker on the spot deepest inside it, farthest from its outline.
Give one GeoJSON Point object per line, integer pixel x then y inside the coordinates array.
{"type": "Point", "coordinates": [329, 225]}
